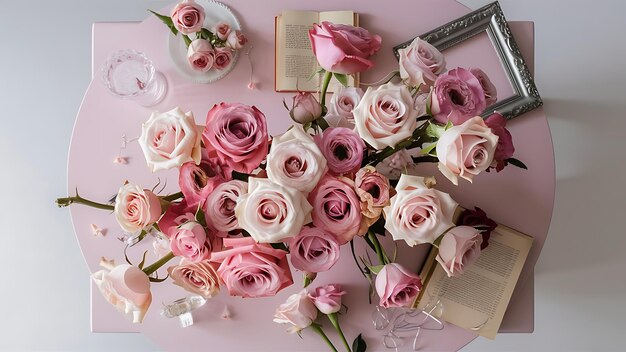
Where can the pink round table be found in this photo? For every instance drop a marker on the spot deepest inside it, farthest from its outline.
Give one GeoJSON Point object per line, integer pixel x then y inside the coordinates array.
{"type": "Point", "coordinates": [517, 198]}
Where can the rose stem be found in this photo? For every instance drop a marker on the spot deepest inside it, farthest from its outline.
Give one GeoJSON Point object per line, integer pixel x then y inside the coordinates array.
{"type": "Point", "coordinates": [321, 121]}
{"type": "Point", "coordinates": [159, 263]}
{"type": "Point", "coordinates": [172, 196]}
{"type": "Point", "coordinates": [333, 320]}
{"type": "Point", "coordinates": [379, 250]}
{"type": "Point", "coordinates": [64, 202]}
{"type": "Point", "coordinates": [319, 331]}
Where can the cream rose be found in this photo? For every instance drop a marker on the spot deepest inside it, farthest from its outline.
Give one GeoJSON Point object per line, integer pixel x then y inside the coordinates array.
{"type": "Point", "coordinates": [298, 311]}
{"type": "Point", "coordinates": [200, 278]}
{"type": "Point", "coordinates": [459, 248]}
{"type": "Point", "coordinates": [420, 63]}
{"type": "Point", "coordinates": [136, 208]}
{"type": "Point", "coordinates": [341, 106]}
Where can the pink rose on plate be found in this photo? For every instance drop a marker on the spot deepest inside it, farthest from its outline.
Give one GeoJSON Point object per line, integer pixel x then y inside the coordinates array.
{"type": "Point", "coordinates": [343, 149]}
{"type": "Point", "coordinates": [298, 311]}
{"type": "Point", "coordinates": [170, 139]}
{"type": "Point", "coordinates": [198, 181]}
{"type": "Point", "coordinates": [418, 214]}
{"type": "Point", "coordinates": [250, 269]}
{"type": "Point", "coordinates": [190, 242]}
{"type": "Point", "coordinates": [336, 208]}
{"type": "Point", "coordinates": [305, 108]}
{"type": "Point", "coordinates": [136, 208]}
{"type": "Point", "coordinates": [176, 215]}
{"type": "Point", "coordinates": [200, 277]}
{"type": "Point", "coordinates": [396, 286]}
{"type": "Point", "coordinates": [459, 248]}
{"type": "Point", "coordinates": [314, 250]}
{"type": "Point", "coordinates": [188, 17]}
{"type": "Point", "coordinates": [327, 298]}
{"type": "Point", "coordinates": [341, 106]}
{"type": "Point", "coordinates": [221, 30]}
{"type": "Point", "coordinates": [466, 150]}
{"type": "Point", "coordinates": [342, 48]}
{"type": "Point", "coordinates": [420, 63]}
{"type": "Point", "coordinates": [238, 134]}
{"type": "Point", "coordinates": [491, 93]}
{"type": "Point", "coordinates": [223, 58]}
{"type": "Point", "coordinates": [373, 190]}
{"type": "Point", "coordinates": [457, 97]}
{"type": "Point", "coordinates": [220, 206]}
{"type": "Point", "coordinates": [201, 55]}
{"type": "Point", "coordinates": [236, 40]}
{"type": "Point", "coordinates": [505, 148]}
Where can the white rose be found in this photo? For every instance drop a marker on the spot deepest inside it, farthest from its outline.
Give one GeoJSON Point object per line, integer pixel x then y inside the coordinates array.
{"type": "Point", "coordinates": [170, 139]}
{"type": "Point", "coordinates": [341, 107]}
{"type": "Point", "coordinates": [420, 63]}
{"type": "Point", "coordinates": [298, 311]}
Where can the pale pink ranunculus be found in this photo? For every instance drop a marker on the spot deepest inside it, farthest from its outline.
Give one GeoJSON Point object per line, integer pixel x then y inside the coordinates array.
{"type": "Point", "coordinates": [135, 208]}
{"type": "Point", "coordinates": [342, 48]}
{"type": "Point", "coordinates": [190, 242]}
{"type": "Point", "coordinates": [220, 206]}
{"type": "Point", "coordinates": [170, 139]}
{"type": "Point", "coordinates": [223, 58]}
{"type": "Point", "coordinates": [342, 148]}
{"type": "Point", "coordinates": [298, 311]}
{"type": "Point", "coordinates": [201, 55]}
{"type": "Point", "coordinates": [418, 214]}
{"type": "Point", "coordinates": [221, 30]}
{"type": "Point", "coordinates": [490, 90]}
{"type": "Point", "coordinates": [176, 215]}
{"type": "Point", "coordinates": [458, 96]}
{"type": "Point", "coordinates": [336, 208]}
{"type": "Point", "coordinates": [236, 40]}
{"type": "Point", "coordinates": [198, 181]}
{"type": "Point", "coordinates": [295, 161]}
{"type": "Point", "coordinates": [385, 115]}
{"type": "Point", "coordinates": [188, 17]}
{"type": "Point", "coordinates": [420, 63]}
{"type": "Point", "coordinates": [196, 277]}
{"type": "Point", "coordinates": [305, 108]}
{"type": "Point", "coordinates": [505, 148]}
{"type": "Point", "coordinates": [238, 134]}
{"type": "Point", "coordinates": [373, 189]}
{"type": "Point", "coordinates": [459, 248]}
{"type": "Point", "coordinates": [327, 298]}
{"type": "Point", "coordinates": [396, 286]}
{"type": "Point", "coordinates": [341, 106]}
{"type": "Point", "coordinates": [270, 212]}
{"type": "Point", "coordinates": [250, 269]}
{"type": "Point", "coordinates": [126, 287]}
{"type": "Point", "coordinates": [314, 250]}
{"type": "Point", "coordinates": [466, 150]}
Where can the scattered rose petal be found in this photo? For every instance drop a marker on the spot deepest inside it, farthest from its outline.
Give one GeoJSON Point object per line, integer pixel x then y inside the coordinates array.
{"type": "Point", "coordinates": [120, 160]}
{"type": "Point", "coordinates": [97, 231]}
{"type": "Point", "coordinates": [251, 85]}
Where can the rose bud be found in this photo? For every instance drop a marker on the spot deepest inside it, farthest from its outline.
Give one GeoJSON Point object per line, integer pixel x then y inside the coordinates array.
{"type": "Point", "coordinates": [305, 108]}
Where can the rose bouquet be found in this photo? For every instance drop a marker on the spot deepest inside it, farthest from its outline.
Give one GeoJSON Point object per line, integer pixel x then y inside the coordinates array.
{"type": "Point", "coordinates": [248, 201]}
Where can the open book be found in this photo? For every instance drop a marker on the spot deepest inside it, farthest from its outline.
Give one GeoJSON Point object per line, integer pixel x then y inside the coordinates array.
{"type": "Point", "coordinates": [478, 298]}
{"type": "Point", "coordinates": [295, 61]}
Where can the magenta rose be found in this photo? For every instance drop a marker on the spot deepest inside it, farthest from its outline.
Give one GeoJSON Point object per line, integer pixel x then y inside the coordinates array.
{"type": "Point", "coordinates": [491, 93]}
{"type": "Point", "coordinates": [305, 108]}
{"type": "Point", "coordinates": [136, 208]}
{"type": "Point", "coordinates": [236, 40]}
{"type": "Point", "coordinates": [336, 208]}
{"type": "Point", "coordinates": [342, 48]}
{"type": "Point", "coordinates": [396, 286]}
{"type": "Point", "coordinates": [188, 17]}
{"type": "Point", "coordinates": [220, 206]}
{"type": "Point", "coordinates": [342, 148]}
{"type": "Point", "coordinates": [505, 148]}
{"type": "Point", "coordinates": [198, 181]}
{"type": "Point", "coordinates": [238, 134]}
{"type": "Point", "coordinates": [314, 250]}
{"type": "Point", "coordinates": [200, 278]}
{"type": "Point", "coordinates": [223, 57]}
{"type": "Point", "coordinates": [457, 97]}
{"type": "Point", "coordinates": [420, 63]}
{"type": "Point", "coordinates": [201, 55]}
{"type": "Point", "coordinates": [327, 298]}
{"type": "Point", "coordinates": [190, 242]}
{"type": "Point", "coordinates": [459, 247]}
{"type": "Point", "coordinates": [250, 269]}
{"type": "Point", "coordinates": [176, 215]}
{"type": "Point", "coordinates": [221, 30]}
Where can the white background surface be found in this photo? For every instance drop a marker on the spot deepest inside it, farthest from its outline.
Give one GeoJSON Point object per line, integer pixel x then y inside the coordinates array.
{"type": "Point", "coordinates": [581, 75]}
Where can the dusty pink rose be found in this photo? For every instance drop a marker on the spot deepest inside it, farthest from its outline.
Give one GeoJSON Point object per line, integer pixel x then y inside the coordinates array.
{"type": "Point", "coordinates": [250, 269]}
{"type": "Point", "coordinates": [305, 108]}
{"type": "Point", "coordinates": [336, 208]}
{"type": "Point", "coordinates": [200, 278]}
{"type": "Point", "coordinates": [466, 150]}
{"type": "Point", "coordinates": [176, 215]}
{"type": "Point", "coordinates": [505, 148]}
{"type": "Point", "coordinates": [420, 63]}
{"type": "Point", "coordinates": [198, 181]}
{"type": "Point", "coordinates": [221, 30]}
{"type": "Point", "coordinates": [188, 17]}
{"type": "Point", "coordinates": [236, 40]}
{"type": "Point", "coordinates": [341, 106]}
{"type": "Point", "coordinates": [327, 298]}
{"type": "Point", "coordinates": [396, 286]}
{"type": "Point", "coordinates": [459, 248]}
{"type": "Point", "coordinates": [314, 250]}
{"type": "Point", "coordinates": [373, 190]}
{"type": "Point", "coordinates": [220, 205]}
{"type": "Point", "coordinates": [478, 218]}
{"type": "Point", "coordinates": [343, 149]}
{"type": "Point", "coordinates": [298, 311]}
{"type": "Point", "coordinates": [201, 55]}
{"type": "Point", "coordinates": [491, 93]}
{"type": "Point", "coordinates": [457, 97]}
{"type": "Point", "coordinates": [223, 57]}
{"type": "Point", "coordinates": [136, 208]}
{"type": "Point", "coordinates": [238, 134]}
{"type": "Point", "coordinates": [190, 242]}
{"type": "Point", "coordinates": [343, 49]}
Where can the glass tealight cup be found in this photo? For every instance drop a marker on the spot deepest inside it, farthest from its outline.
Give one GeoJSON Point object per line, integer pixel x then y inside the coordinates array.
{"type": "Point", "coordinates": [130, 74]}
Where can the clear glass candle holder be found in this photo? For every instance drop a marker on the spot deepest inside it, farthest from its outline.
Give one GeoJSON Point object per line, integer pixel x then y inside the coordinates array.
{"type": "Point", "coordinates": [130, 74]}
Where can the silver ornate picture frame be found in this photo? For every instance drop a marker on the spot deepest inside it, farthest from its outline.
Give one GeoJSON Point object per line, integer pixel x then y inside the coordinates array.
{"type": "Point", "coordinates": [490, 19]}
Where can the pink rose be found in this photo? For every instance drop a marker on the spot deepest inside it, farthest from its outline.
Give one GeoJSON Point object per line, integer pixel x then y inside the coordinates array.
{"type": "Point", "coordinates": [188, 17]}
{"type": "Point", "coordinates": [491, 93]}
{"type": "Point", "coordinates": [341, 106]}
{"type": "Point", "coordinates": [298, 311]}
{"type": "Point", "coordinates": [220, 205]}
{"type": "Point", "coordinates": [396, 165]}
{"type": "Point", "coordinates": [305, 108]}
{"type": "Point", "coordinates": [343, 49]}
{"type": "Point", "coordinates": [136, 208]}
{"type": "Point", "coordinates": [126, 287]}
{"type": "Point", "coordinates": [238, 134]}
{"type": "Point", "coordinates": [236, 40]}
{"type": "Point", "coordinates": [190, 242]}
{"type": "Point", "coordinates": [466, 150]}
{"type": "Point", "coordinates": [396, 286]}
{"type": "Point", "coordinates": [314, 250]}
{"type": "Point", "coordinates": [327, 298]}
{"type": "Point", "coordinates": [201, 55]}
{"type": "Point", "coordinates": [343, 149]}
{"type": "Point", "coordinates": [223, 57]}
{"type": "Point", "coordinates": [176, 215]}
{"type": "Point", "coordinates": [336, 208]}
{"type": "Point", "coordinates": [457, 97]}
{"type": "Point", "coordinates": [251, 269]}
{"type": "Point", "coordinates": [505, 148]}
{"type": "Point", "coordinates": [221, 30]}
{"type": "Point", "coordinates": [459, 248]}
{"type": "Point", "coordinates": [420, 63]}
{"type": "Point", "coordinates": [198, 181]}
{"type": "Point", "coordinates": [373, 190]}
{"type": "Point", "coordinates": [418, 214]}
{"type": "Point", "coordinates": [200, 278]}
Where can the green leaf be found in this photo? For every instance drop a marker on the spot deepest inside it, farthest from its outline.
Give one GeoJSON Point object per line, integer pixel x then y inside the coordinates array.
{"type": "Point", "coordinates": [517, 163]}
{"type": "Point", "coordinates": [200, 219]}
{"type": "Point", "coordinates": [342, 78]}
{"type": "Point", "coordinates": [206, 34]}
{"type": "Point", "coordinates": [375, 268]}
{"type": "Point", "coordinates": [187, 40]}
{"type": "Point", "coordinates": [359, 344]}
{"type": "Point", "coordinates": [434, 130]}
{"type": "Point", "coordinates": [167, 20]}
{"type": "Point", "coordinates": [143, 260]}
{"type": "Point", "coordinates": [315, 73]}
{"type": "Point", "coordinates": [280, 246]}
{"type": "Point", "coordinates": [430, 150]}
{"type": "Point", "coordinates": [240, 176]}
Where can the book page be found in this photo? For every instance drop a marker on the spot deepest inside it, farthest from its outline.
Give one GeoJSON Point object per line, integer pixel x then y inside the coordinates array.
{"type": "Point", "coordinates": [477, 299]}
